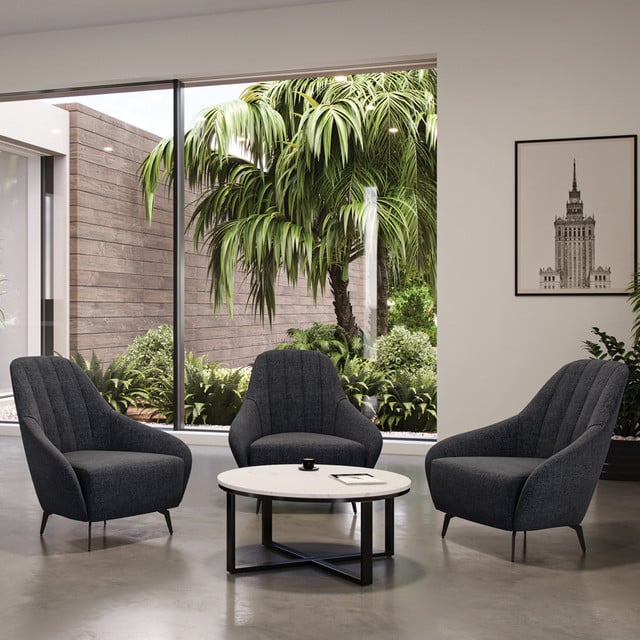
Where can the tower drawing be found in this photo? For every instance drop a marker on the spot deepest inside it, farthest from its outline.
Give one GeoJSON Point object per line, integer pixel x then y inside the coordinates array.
{"type": "Point", "coordinates": [575, 249]}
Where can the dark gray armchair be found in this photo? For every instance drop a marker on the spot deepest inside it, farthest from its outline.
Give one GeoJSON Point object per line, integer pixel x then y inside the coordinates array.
{"type": "Point", "coordinates": [538, 469]}
{"type": "Point", "coordinates": [295, 407]}
{"type": "Point", "coordinates": [87, 461]}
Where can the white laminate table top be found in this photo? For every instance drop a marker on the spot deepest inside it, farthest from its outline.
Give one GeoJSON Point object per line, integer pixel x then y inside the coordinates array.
{"type": "Point", "coordinates": [287, 481]}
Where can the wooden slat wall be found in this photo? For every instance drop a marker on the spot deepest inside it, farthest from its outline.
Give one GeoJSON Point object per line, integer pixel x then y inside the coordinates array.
{"type": "Point", "coordinates": [121, 271]}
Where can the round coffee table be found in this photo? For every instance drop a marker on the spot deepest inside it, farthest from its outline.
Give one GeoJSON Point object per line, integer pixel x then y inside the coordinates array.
{"type": "Point", "coordinates": [287, 482]}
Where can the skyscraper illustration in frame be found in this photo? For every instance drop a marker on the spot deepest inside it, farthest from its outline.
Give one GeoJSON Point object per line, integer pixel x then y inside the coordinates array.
{"type": "Point", "coordinates": [576, 209]}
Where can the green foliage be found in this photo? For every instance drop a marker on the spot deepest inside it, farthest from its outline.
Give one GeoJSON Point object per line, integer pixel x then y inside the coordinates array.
{"type": "Point", "coordinates": [399, 387]}
{"type": "Point", "coordinates": [409, 404]}
{"type": "Point", "coordinates": [413, 308]}
{"type": "Point", "coordinates": [152, 352]}
{"type": "Point", "coordinates": [213, 394]}
{"type": "Point", "coordinates": [610, 348]}
{"type": "Point", "coordinates": [120, 384]}
{"type": "Point", "coordinates": [361, 381]}
{"type": "Point", "coordinates": [329, 339]}
{"type": "Point", "coordinates": [405, 351]}
{"type": "Point", "coordinates": [633, 294]}
{"type": "Point", "coordinates": [293, 203]}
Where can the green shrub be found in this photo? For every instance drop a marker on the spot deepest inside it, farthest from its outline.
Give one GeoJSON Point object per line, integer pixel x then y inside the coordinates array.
{"type": "Point", "coordinates": [120, 384]}
{"type": "Point", "coordinates": [212, 394]}
{"type": "Point", "coordinates": [152, 352]}
{"type": "Point", "coordinates": [329, 339]}
{"type": "Point", "coordinates": [362, 381]}
{"type": "Point", "coordinates": [409, 404]}
{"type": "Point", "coordinates": [405, 351]}
{"type": "Point", "coordinates": [413, 307]}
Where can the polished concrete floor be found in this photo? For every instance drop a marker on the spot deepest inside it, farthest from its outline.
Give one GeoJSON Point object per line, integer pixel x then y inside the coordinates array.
{"type": "Point", "coordinates": [140, 583]}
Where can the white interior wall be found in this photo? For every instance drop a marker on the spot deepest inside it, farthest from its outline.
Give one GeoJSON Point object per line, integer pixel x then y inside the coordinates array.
{"type": "Point", "coordinates": [508, 70]}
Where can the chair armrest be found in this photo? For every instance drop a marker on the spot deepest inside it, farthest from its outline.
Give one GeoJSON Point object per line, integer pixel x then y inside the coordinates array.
{"type": "Point", "coordinates": [499, 439]}
{"type": "Point", "coordinates": [353, 425]}
{"type": "Point", "coordinates": [54, 479]}
{"type": "Point", "coordinates": [125, 434]}
{"type": "Point", "coordinates": [559, 491]}
{"type": "Point", "coordinates": [245, 428]}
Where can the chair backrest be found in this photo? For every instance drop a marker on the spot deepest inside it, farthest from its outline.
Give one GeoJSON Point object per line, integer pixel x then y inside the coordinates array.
{"type": "Point", "coordinates": [295, 390]}
{"type": "Point", "coordinates": [579, 395]}
{"type": "Point", "coordinates": [61, 400]}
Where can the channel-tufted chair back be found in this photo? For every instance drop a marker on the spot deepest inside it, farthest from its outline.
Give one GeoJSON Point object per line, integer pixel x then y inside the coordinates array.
{"type": "Point", "coordinates": [295, 391]}
{"type": "Point", "coordinates": [575, 398]}
{"type": "Point", "coordinates": [62, 401]}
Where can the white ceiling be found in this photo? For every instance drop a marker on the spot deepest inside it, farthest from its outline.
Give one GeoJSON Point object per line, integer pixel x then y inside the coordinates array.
{"type": "Point", "coordinates": [34, 16]}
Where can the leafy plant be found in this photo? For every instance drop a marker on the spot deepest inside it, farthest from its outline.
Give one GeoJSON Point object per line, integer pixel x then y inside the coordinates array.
{"type": "Point", "coordinates": [294, 201]}
{"type": "Point", "coordinates": [405, 351]}
{"type": "Point", "coordinates": [413, 308]}
{"type": "Point", "coordinates": [120, 384]}
{"type": "Point", "coordinates": [213, 394]}
{"type": "Point", "coordinates": [329, 339]}
{"type": "Point", "coordinates": [361, 381]}
{"type": "Point", "coordinates": [409, 404]}
{"type": "Point", "coordinates": [152, 352]}
{"type": "Point", "coordinates": [610, 348]}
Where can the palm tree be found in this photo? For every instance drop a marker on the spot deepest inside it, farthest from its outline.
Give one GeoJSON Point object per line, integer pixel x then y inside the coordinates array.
{"type": "Point", "coordinates": [283, 171]}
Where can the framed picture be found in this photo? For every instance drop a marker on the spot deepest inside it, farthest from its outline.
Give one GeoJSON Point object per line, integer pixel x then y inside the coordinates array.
{"type": "Point", "coordinates": [576, 209]}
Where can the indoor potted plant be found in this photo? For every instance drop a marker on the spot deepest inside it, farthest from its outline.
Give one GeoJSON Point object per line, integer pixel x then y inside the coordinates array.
{"type": "Point", "coordinates": [623, 459]}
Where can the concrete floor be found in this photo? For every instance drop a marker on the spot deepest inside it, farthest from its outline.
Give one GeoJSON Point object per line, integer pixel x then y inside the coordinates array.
{"type": "Point", "coordinates": [139, 583]}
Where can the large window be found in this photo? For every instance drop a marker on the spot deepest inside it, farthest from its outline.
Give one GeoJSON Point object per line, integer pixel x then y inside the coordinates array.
{"type": "Point", "coordinates": [130, 296]}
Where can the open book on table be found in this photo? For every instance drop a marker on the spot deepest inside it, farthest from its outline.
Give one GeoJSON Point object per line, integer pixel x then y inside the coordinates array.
{"type": "Point", "coordinates": [357, 478]}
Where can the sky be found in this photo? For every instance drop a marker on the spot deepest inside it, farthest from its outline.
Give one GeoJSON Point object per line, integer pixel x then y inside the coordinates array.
{"type": "Point", "coordinates": [152, 110]}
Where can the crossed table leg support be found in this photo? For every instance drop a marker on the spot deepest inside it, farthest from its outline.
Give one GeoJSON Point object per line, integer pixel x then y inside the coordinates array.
{"type": "Point", "coordinates": [325, 562]}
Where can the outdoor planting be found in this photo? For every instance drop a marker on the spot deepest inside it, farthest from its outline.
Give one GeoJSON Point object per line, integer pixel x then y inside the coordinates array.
{"type": "Point", "coordinates": [397, 390]}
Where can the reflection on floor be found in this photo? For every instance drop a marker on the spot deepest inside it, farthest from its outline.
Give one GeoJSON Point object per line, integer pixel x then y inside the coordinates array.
{"type": "Point", "coordinates": [139, 583]}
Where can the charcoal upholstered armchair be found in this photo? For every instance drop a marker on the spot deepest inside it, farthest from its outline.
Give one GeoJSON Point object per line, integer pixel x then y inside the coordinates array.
{"type": "Point", "coordinates": [539, 468]}
{"type": "Point", "coordinates": [87, 461]}
{"type": "Point", "coordinates": [295, 407]}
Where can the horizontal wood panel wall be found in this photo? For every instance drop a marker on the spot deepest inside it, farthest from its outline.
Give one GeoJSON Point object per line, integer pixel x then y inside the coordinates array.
{"type": "Point", "coordinates": [121, 267]}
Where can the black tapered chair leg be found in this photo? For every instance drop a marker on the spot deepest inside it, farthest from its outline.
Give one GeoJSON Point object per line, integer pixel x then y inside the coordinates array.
{"type": "Point", "coordinates": [578, 529]}
{"type": "Point", "coordinates": [258, 503]}
{"type": "Point", "coordinates": [355, 509]}
{"type": "Point", "coordinates": [43, 524]}
{"type": "Point", "coordinates": [167, 517]}
{"type": "Point", "coordinates": [445, 525]}
{"type": "Point", "coordinates": [513, 546]}
{"type": "Point", "coordinates": [89, 537]}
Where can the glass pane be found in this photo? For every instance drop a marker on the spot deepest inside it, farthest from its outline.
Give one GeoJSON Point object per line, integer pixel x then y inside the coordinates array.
{"type": "Point", "coordinates": [14, 264]}
{"type": "Point", "coordinates": [121, 297]}
{"type": "Point", "coordinates": [362, 197]}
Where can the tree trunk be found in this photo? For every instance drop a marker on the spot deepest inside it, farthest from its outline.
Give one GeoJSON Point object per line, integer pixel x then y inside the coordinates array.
{"type": "Point", "coordinates": [342, 301]}
{"type": "Point", "coordinates": [382, 292]}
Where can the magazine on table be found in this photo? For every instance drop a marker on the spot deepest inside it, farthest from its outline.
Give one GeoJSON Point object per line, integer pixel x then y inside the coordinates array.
{"type": "Point", "coordinates": [357, 478]}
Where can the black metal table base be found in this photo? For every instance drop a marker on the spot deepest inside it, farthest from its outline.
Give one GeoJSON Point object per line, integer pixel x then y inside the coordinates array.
{"type": "Point", "coordinates": [324, 562]}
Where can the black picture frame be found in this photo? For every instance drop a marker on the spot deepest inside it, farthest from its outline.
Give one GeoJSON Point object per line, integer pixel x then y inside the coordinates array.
{"type": "Point", "coordinates": [576, 215]}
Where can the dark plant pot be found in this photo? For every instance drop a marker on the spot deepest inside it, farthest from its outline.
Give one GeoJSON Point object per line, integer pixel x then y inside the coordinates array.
{"type": "Point", "coordinates": [622, 461]}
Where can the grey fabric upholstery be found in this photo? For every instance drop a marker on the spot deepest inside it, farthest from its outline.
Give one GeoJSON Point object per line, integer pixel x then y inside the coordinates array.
{"type": "Point", "coordinates": [87, 461]}
{"type": "Point", "coordinates": [539, 468]}
{"type": "Point", "coordinates": [295, 407]}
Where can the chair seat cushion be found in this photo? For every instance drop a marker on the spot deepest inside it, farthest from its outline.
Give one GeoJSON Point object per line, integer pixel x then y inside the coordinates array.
{"type": "Point", "coordinates": [481, 489]}
{"type": "Point", "coordinates": [117, 484]}
{"type": "Point", "coordinates": [291, 447]}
